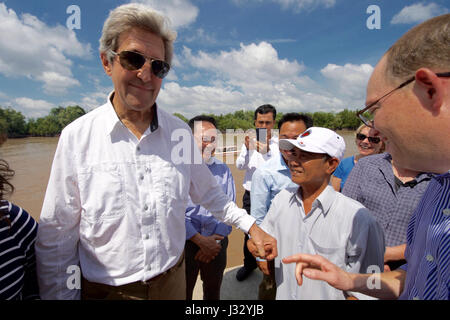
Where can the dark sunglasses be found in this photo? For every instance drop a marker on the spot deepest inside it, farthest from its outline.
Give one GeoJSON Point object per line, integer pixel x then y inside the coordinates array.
{"type": "Point", "coordinates": [131, 60]}
{"type": "Point", "coordinates": [361, 137]}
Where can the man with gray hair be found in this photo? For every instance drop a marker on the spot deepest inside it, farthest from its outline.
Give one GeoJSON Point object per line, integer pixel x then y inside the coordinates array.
{"type": "Point", "coordinates": [117, 192]}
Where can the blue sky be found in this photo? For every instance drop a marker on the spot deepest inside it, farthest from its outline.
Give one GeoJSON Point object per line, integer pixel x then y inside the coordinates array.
{"type": "Point", "coordinates": [299, 55]}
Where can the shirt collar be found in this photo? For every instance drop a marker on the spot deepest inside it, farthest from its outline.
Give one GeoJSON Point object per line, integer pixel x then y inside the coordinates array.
{"type": "Point", "coordinates": [280, 164]}
{"type": "Point", "coordinates": [211, 161]}
{"type": "Point", "coordinates": [112, 119]}
{"type": "Point", "coordinates": [422, 176]}
{"type": "Point", "coordinates": [325, 199]}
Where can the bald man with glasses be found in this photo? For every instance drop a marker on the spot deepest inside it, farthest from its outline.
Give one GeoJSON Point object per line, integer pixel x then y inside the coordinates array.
{"type": "Point", "coordinates": [412, 117]}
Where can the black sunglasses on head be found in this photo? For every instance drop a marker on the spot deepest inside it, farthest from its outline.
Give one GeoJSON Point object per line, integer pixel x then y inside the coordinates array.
{"type": "Point", "coordinates": [361, 137]}
{"type": "Point", "coordinates": [131, 60]}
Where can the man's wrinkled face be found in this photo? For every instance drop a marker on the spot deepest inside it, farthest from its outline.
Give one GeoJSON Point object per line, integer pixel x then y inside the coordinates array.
{"type": "Point", "coordinates": [397, 119]}
{"type": "Point", "coordinates": [136, 90]}
{"type": "Point", "coordinates": [308, 168]}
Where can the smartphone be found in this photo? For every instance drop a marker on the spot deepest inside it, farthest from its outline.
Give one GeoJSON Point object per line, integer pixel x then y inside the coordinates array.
{"type": "Point", "coordinates": [261, 135]}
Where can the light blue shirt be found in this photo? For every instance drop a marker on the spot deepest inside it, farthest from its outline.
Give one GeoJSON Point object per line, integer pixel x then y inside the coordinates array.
{"type": "Point", "coordinates": [200, 220]}
{"type": "Point", "coordinates": [272, 177]}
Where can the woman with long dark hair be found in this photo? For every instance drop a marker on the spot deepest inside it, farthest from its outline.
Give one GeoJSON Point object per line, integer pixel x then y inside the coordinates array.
{"type": "Point", "coordinates": [18, 230]}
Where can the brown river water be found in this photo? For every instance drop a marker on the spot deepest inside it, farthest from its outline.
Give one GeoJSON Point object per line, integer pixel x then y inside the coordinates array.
{"type": "Point", "coordinates": [31, 159]}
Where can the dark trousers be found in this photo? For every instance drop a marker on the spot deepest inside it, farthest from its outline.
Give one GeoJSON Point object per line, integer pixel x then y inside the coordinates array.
{"type": "Point", "coordinates": [249, 259]}
{"type": "Point", "coordinates": [268, 287]}
{"type": "Point", "coordinates": [210, 273]}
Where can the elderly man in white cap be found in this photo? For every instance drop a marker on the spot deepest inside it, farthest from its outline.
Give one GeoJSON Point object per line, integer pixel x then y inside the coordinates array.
{"type": "Point", "coordinates": [316, 219]}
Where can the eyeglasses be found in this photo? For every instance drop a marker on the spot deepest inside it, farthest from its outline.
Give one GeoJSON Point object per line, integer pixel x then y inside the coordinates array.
{"type": "Point", "coordinates": [361, 137]}
{"type": "Point", "coordinates": [207, 139]}
{"type": "Point", "coordinates": [368, 118]}
{"type": "Point", "coordinates": [131, 60]}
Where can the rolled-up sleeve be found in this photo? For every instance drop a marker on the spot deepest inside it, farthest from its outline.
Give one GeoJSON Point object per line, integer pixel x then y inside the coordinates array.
{"type": "Point", "coordinates": [243, 159]}
{"type": "Point", "coordinates": [206, 191]}
{"type": "Point", "coordinates": [58, 234]}
{"type": "Point", "coordinates": [365, 247]}
{"type": "Point", "coordinates": [190, 229]}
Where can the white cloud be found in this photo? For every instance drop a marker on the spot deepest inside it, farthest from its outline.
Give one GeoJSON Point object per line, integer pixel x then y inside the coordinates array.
{"type": "Point", "coordinates": [202, 36]}
{"type": "Point", "coordinates": [181, 13]}
{"type": "Point", "coordinates": [254, 67]}
{"type": "Point", "coordinates": [245, 78]}
{"type": "Point", "coordinates": [97, 97]}
{"type": "Point", "coordinates": [295, 5]}
{"type": "Point", "coordinates": [34, 50]}
{"type": "Point", "coordinates": [350, 80]}
{"type": "Point", "coordinates": [417, 13]}
{"type": "Point", "coordinates": [57, 83]}
{"type": "Point", "coordinates": [32, 108]}
{"type": "Point", "coordinates": [299, 5]}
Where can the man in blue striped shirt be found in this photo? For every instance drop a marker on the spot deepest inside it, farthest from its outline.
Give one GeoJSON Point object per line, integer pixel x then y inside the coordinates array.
{"type": "Point", "coordinates": [207, 237]}
{"type": "Point", "coordinates": [408, 102]}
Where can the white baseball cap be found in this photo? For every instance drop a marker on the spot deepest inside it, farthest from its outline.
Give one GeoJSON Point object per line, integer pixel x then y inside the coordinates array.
{"type": "Point", "coordinates": [317, 140]}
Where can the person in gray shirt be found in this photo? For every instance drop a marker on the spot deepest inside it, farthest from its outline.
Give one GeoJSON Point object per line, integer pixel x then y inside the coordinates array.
{"type": "Point", "coordinates": [391, 193]}
{"type": "Point", "coordinates": [315, 219]}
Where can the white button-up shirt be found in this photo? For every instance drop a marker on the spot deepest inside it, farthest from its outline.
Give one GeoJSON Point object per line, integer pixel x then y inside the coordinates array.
{"type": "Point", "coordinates": [250, 160]}
{"type": "Point", "coordinates": [338, 228]}
{"type": "Point", "coordinates": [115, 205]}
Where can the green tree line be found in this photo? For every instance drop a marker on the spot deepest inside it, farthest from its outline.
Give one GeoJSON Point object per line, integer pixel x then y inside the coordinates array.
{"type": "Point", "coordinates": [15, 125]}
{"type": "Point", "coordinates": [345, 119]}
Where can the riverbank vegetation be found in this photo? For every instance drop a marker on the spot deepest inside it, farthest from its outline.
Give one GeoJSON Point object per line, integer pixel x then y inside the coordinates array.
{"type": "Point", "coordinates": [15, 125]}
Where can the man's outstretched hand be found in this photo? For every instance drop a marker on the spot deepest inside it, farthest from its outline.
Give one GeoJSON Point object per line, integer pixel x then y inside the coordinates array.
{"type": "Point", "coordinates": [318, 268]}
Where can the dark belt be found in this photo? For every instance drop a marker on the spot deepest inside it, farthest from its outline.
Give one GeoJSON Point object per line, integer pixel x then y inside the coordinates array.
{"type": "Point", "coordinates": [148, 282]}
{"type": "Point", "coordinates": [170, 270]}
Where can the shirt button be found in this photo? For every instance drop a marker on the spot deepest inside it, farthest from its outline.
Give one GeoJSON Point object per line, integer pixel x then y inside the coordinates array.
{"type": "Point", "coordinates": [446, 212]}
{"type": "Point", "coordinates": [147, 237]}
{"type": "Point", "coordinates": [138, 148]}
{"type": "Point", "coordinates": [141, 177]}
{"type": "Point", "coordinates": [146, 207]}
{"type": "Point", "coordinates": [429, 258]}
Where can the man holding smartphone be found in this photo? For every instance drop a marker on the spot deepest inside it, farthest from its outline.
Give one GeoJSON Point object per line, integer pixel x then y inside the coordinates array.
{"type": "Point", "coordinates": [254, 153]}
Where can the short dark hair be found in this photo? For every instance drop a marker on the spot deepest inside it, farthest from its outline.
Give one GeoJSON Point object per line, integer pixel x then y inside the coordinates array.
{"type": "Point", "coordinates": [264, 109]}
{"type": "Point", "coordinates": [294, 116]}
{"type": "Point", "coordinates": [209, 119]}
{"type": "Point", "coordinates": [6, 188]}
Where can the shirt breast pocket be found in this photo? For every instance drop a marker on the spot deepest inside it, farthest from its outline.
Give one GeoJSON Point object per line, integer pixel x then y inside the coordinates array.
{"type": "Point", "coordinates": [101, 192]}
{"type": "Point", "coordinates": [330, 251]}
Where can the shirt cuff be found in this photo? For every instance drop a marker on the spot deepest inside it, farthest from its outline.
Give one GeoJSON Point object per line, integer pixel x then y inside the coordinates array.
{"type": "Point", "coordinates": [190, 231]}
{"type": "Point", "coordinates": [222, 229]}
{"type": "Point", "coordinates": [245, 222]}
